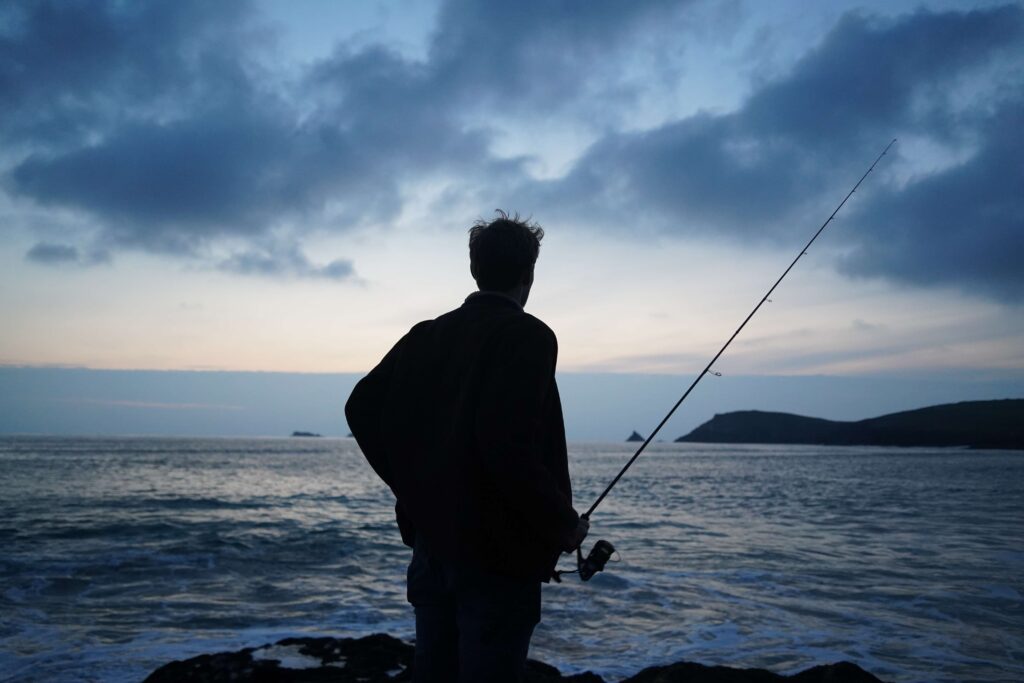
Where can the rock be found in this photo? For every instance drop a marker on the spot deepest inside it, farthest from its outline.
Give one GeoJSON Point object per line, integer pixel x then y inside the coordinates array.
{"type": "Point", "coordinates": [372, 659]}
{"type": "Point", "coordinates": [312, 434]}
{"type": "Point", "coordinates": [380, 658]}
{"type": "Point", "coordinates": [635, 437]}
{"type": "Point", "coordinates": [833, 673]}
{"type": "Point", "coordinates": [688, 672]}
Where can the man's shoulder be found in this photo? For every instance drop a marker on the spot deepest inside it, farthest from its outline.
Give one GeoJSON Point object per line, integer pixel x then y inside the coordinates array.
{"type": "Point", "coordinates": [416, 330]}
{"type": "Point", "coordinates": [509, 323]}
{"type": "Point", "coordinates": [537, 326]}
{"type": "Point", "coordinates": [422, 325]}
{"type": "Point", "coordinates": [525, 331]}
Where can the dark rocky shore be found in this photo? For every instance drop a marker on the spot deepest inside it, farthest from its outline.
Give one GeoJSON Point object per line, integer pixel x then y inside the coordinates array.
{"type": "Point", "coordinates": [379, 658]}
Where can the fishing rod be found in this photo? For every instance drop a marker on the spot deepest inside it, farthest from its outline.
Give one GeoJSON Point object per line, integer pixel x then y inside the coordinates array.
{"type": "Point", "coordinates": [603, 550]}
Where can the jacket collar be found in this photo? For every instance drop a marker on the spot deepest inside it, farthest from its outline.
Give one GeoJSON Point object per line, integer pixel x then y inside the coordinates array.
{"type": "Point", "coordinates": [489, 298]}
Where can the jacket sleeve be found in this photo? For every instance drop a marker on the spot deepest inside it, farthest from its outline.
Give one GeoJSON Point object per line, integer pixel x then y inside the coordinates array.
{"type": "Point", "coordinates": [365, 411]}
{"type": "Point", "coordinates": [510, 426]}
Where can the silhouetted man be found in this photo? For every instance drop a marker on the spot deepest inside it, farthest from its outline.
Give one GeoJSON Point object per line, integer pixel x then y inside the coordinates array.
{"type": "Point", "coordinates": [463, 421]}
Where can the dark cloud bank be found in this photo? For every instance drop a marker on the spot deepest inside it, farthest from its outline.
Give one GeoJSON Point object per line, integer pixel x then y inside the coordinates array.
{"type": "Point", "coordinates": [164, 124]}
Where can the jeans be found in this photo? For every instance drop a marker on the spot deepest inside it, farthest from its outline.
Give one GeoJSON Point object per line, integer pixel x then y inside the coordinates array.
{"type": "Point", "coordinates": [471, 626]}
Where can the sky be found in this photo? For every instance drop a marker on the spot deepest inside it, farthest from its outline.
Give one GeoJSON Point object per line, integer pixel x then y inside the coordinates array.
{"type": "Point", "coordinates": [285, 187]}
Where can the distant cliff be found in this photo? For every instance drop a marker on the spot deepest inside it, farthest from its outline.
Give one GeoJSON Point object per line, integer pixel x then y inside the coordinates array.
{"type": "Point", "coordinates": [978, 424]}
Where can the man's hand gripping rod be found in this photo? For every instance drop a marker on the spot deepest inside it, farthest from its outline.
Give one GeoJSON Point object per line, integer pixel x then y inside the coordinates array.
{"type": "Point", "coordinates": [602, 550]}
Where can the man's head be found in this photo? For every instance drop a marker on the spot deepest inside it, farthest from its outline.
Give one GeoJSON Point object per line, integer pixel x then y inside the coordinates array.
{"type": "Point", "coordinates": [502, 254]}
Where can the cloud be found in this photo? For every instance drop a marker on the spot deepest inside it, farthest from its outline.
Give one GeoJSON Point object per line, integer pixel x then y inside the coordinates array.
{"type": "Point", "coordinates": [288, 262]}
{"type": "Point", "coordinates": [71, 69]}
{"type": "Point", "coordinates": [169, 138]}
{"type": "Point", "coordinates": [797, 143]}
{"type": "Point", "coordinates": [538, 55]}
{"type": "Point", "coordinates": [167, 125]}
{"type": "Point", "coordinates": [50, 254]}
{"type": "Point", "coordinates": [962, 226]}
{"type": "Point", "coordinates": [159, 123]}
{"type": "Point", "coordinates": [172, 187]}
{"type": "Point", "coordinates": [164, 124]}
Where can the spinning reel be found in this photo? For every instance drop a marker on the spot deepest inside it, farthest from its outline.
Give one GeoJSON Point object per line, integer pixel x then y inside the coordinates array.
{"type": "Point", "coordinates": [594, 562]}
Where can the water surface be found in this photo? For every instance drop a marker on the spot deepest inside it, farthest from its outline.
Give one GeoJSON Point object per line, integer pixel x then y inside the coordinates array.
{"type": "Point", "coordinates": [122, 554]}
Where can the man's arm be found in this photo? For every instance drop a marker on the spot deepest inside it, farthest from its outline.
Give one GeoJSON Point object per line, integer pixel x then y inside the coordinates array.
{"type": "Point", "coordinates": [364, 411]}
{"type": "Point", "coordinates": [509, 425]}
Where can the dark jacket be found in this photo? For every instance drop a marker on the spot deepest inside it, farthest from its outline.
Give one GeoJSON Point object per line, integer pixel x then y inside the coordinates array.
{"type": "Point", "coordinates": [463, 421]}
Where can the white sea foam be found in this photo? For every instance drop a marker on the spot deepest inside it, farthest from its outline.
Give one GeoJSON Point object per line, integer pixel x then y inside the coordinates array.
{"type": "Point", "coordinates": [287, 656]}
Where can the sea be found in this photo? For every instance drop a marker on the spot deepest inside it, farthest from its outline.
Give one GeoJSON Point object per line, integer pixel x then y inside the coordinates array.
{"type": "Point", "coordinates": [118, 555]}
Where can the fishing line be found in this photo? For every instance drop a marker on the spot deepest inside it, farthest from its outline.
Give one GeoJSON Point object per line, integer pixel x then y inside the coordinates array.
{"type": "Point", "coordinates": [602, 550]}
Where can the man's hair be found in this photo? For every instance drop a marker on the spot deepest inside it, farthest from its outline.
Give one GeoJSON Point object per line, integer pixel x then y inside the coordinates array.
{"type": "Point", "coordinates": [503, 251]}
